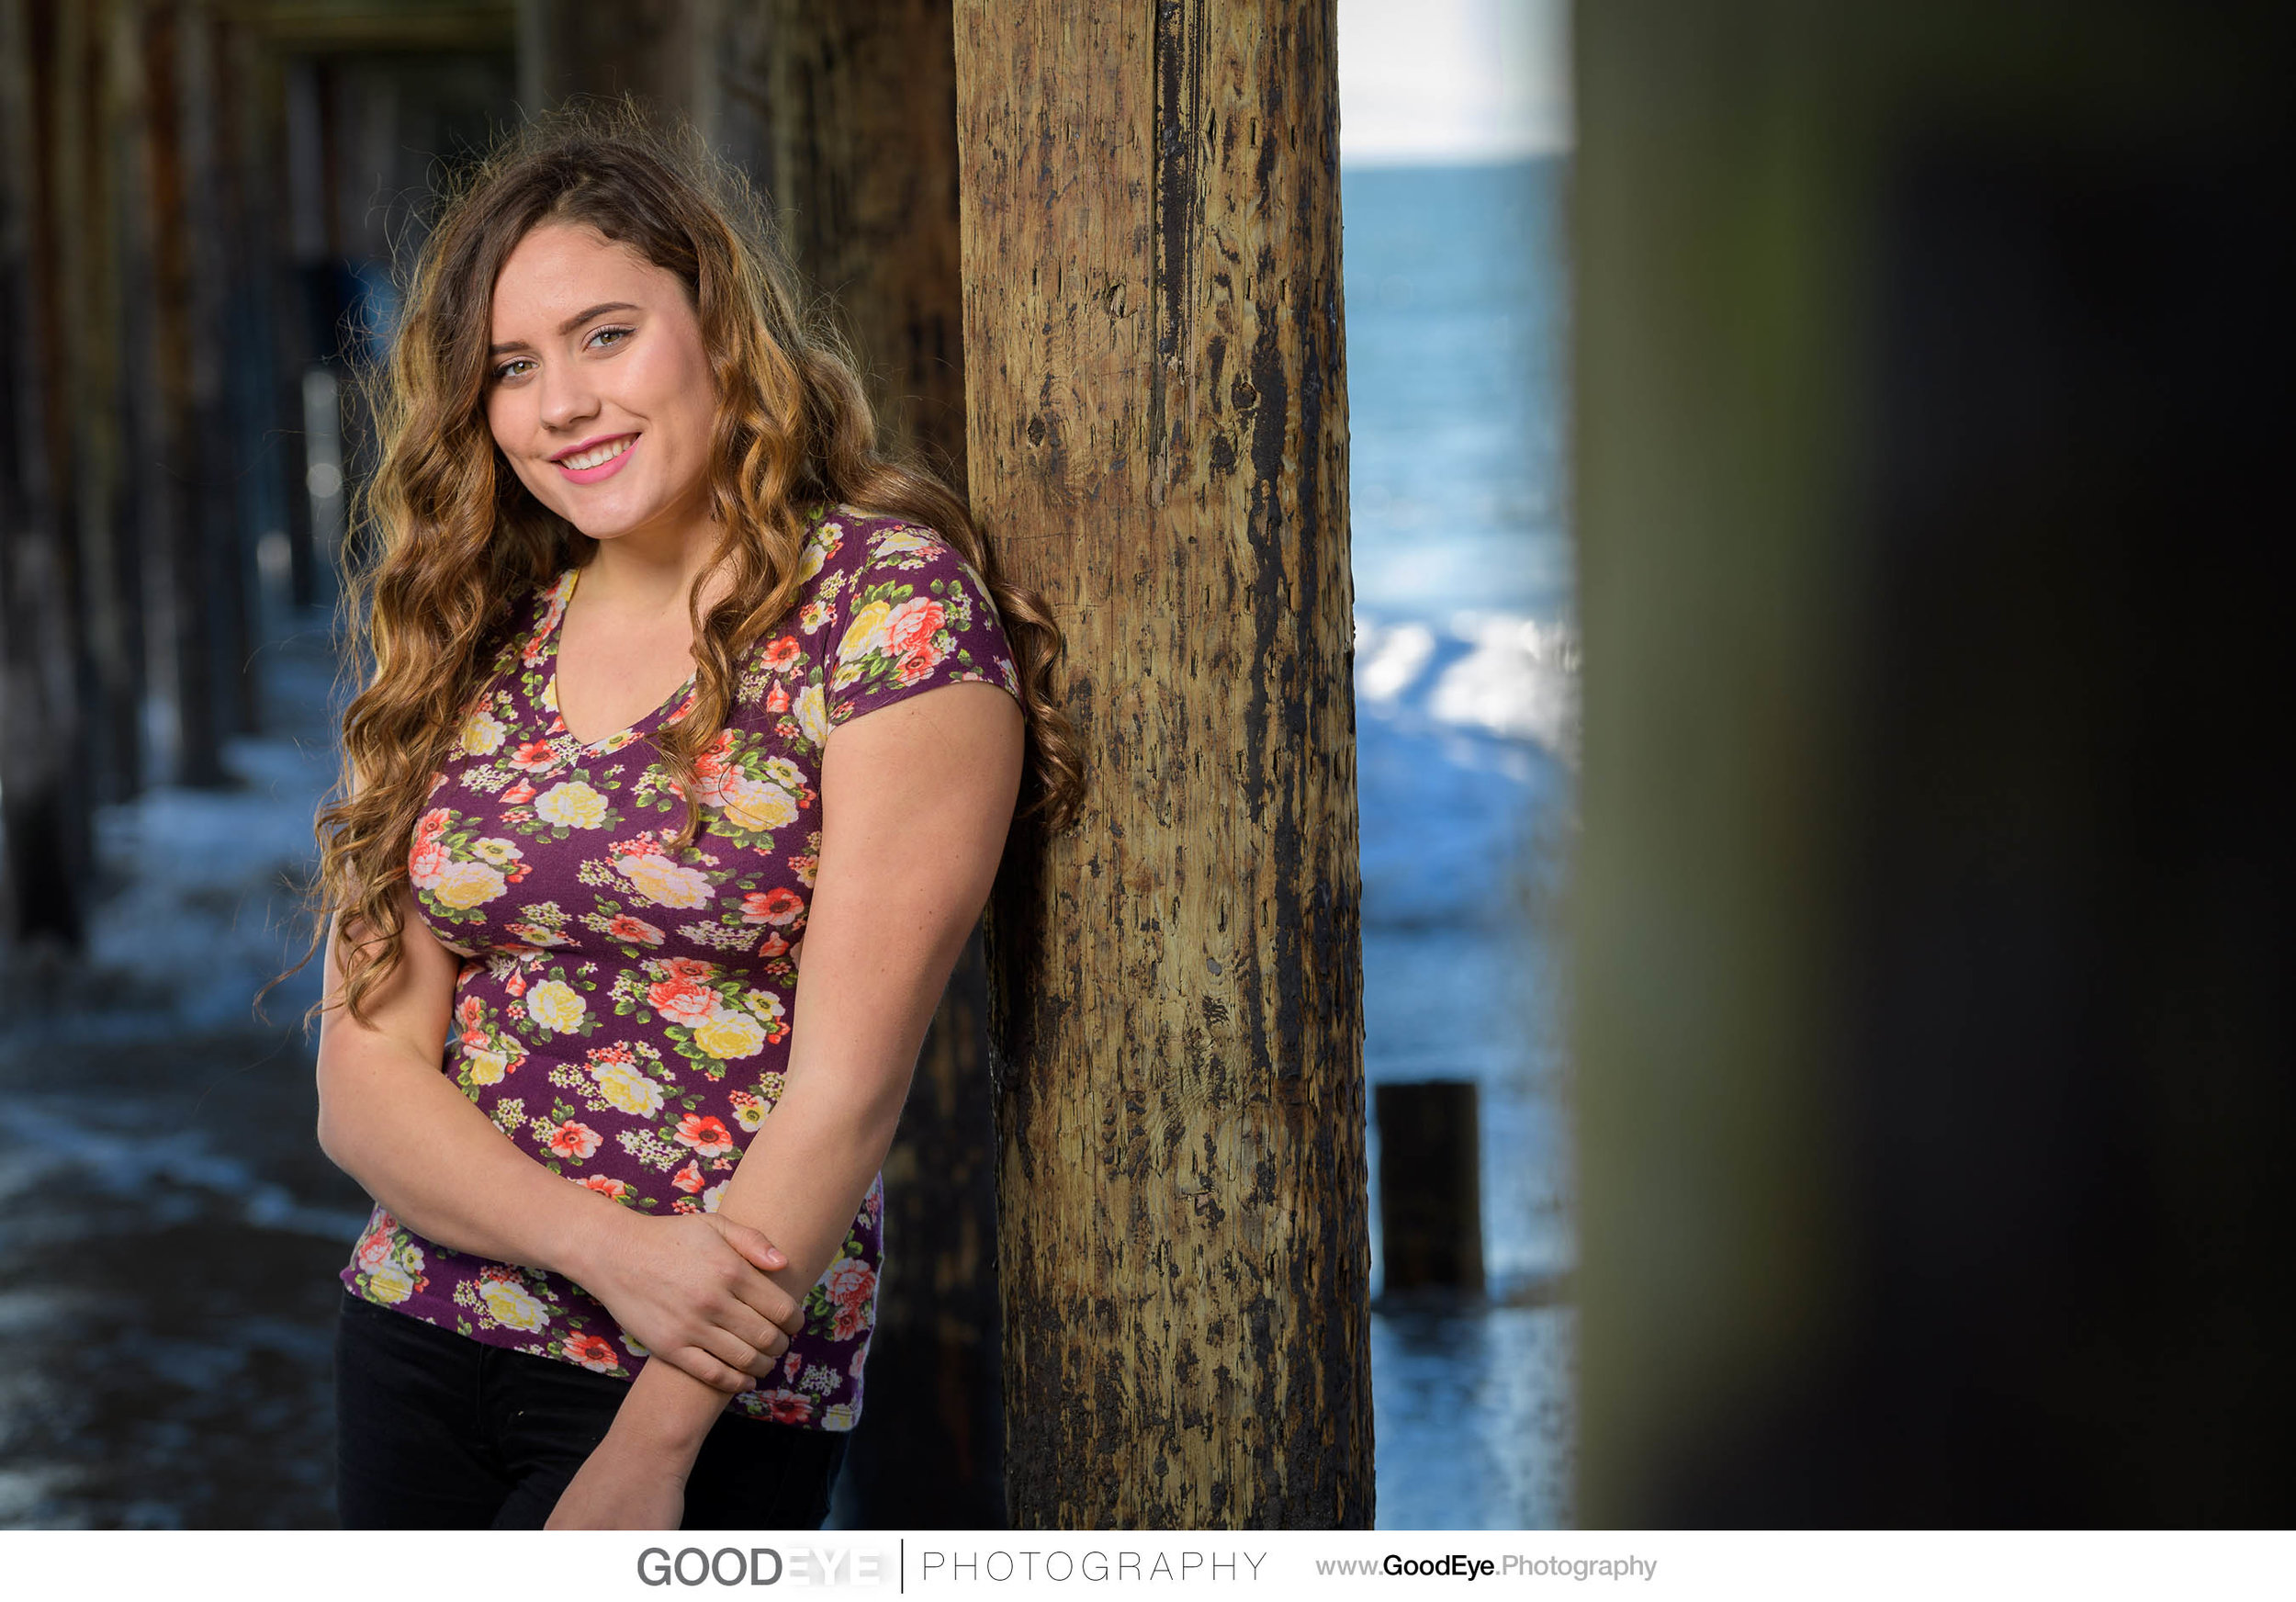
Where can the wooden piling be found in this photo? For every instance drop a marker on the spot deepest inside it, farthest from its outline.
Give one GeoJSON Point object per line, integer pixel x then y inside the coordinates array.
{"type": "Point", "coordinates": [1158, 429]}
{"type": "Point", "coordinates": [1431, 1187]}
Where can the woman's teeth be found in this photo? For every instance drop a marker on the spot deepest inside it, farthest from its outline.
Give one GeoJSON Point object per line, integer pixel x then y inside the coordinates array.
{"type": "Point", "coordinates": [598, 455]}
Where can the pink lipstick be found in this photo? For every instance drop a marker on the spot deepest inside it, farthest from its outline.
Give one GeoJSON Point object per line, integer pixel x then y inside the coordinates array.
{"type": "Point", "coordinates": [604, 458]}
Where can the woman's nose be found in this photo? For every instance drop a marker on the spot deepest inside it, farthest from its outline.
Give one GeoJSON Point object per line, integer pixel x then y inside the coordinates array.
{"type": "Point", "coordinates": [567, 397]}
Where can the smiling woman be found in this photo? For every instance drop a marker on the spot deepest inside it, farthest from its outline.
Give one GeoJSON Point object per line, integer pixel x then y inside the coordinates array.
{"type": "Point", "coordinates": [678, 680]}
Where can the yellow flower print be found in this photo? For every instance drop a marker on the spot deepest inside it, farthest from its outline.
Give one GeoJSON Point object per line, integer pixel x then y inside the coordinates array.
{"type": "Point", "coordinates": [513, 1303]}
{"type": "Point", "coordinates": [486, 1067]}
{"type": "Point", "coordinates": [866, 633]}
{"type": "Point", "coordinates": [390, 1283]}
{"type": "Point", "coordinates": [556, 1005]}
{"type": "Point", "coordinates": [665, 883]}
{"type": "Point", "coordinates": [482, 734]}
{"type": "Point", "coordinates": [725, 1033]}
{"type": "Point", "coordinates": [839, 1416]}
{"type": "Point", "coordinates": [572, 805]}
{"type": "Point", "coordinates": [754, 806]}
{"type": "Point", "coordinates": [500, 854]}
{"type": "Point", "coordinates": [466, 885]}
{"type": "Point", "coordinates": [764, 1003]}
{"type": "Point", "coordinates": [812, 714]}
{"type": "Point", "coordinates": [625, 1089]}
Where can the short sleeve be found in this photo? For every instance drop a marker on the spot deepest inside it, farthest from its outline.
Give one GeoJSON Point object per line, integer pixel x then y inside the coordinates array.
{"type": "Point", "coordinates": [915, 616]}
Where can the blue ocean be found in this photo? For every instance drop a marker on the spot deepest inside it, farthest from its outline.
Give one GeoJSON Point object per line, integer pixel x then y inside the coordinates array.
{"type": "Point", "coordinates": [1467, 720]}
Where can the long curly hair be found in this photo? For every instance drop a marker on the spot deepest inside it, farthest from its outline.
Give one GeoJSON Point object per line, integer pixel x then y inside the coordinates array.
{"type": "Point", "coordinates": [454, 543]}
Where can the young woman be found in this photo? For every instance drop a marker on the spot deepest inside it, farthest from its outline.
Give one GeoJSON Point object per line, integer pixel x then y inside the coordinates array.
{"type": "Point", "coordinates": [677, 683]}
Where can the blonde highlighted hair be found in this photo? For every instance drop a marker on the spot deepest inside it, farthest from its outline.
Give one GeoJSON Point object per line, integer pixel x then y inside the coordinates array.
{"type": "Point", "coordinates": [455, 543]}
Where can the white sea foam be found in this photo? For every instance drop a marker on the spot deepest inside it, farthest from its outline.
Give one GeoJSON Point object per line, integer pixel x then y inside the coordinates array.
{"type": "Point", "coordinates": [1493, 672]}
{"type": "Point", "coordinates": [1389, 667]}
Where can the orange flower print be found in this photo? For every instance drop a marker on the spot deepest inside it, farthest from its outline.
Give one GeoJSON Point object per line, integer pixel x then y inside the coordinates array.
{"type": "Point", "coordinates": [789, 1407]}
{"type": "Point", "coordinates": [637, 931]}
{"type": "Point", "coordinates": [374, 1247]}
{"type": "Point", "coordinates": [681, 999]}
{"type": "Point", "coordinates": [592, 1352]}
{"type": "Point", "coordinates": [688, 1178]}
{"type": "Point", "coordinates": [706, 1136]}
{"type": "Point", "coordinates": [910, 627]}
{"type": "Point", "coordinates": [852, 1289]}
{"type": "Point", "coordinates": [576, 1141]}
{"type": "Point", "coordinates": [777, 906]}
{"type": "Point", "coordinates": [781, 654]}
{"type": "Point", "coordinates": [605, 1185]}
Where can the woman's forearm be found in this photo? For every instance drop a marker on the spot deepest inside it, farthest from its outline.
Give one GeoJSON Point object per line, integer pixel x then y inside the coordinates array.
{"type": "Point", "coordinates": [418, 1145]}
{"type": "Point", "coordinates": [801, 1181]}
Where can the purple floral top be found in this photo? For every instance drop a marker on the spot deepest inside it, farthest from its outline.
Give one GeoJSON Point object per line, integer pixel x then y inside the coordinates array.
{"type": "Point", "coordinates": [623, 1013]}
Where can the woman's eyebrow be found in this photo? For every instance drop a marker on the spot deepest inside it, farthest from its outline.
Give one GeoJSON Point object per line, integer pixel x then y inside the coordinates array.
{"type": "Point", "coordinates": [570, 324]}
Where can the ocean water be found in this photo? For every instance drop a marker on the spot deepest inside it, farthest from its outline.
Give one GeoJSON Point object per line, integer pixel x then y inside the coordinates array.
{"type": "Point", "coordinates": [1467, 673]}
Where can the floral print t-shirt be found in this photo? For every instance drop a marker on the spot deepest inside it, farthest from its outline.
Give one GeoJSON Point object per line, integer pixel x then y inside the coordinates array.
{"type": "Point", "coordinates": [622, 1009]}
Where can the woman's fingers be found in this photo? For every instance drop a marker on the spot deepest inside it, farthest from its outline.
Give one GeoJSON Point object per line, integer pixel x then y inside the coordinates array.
{"type": "Point", "coordinates": [713, 1371]}
{"type": "Point", "coordinates": [750, 1243]}
{"type": "Point", "coordinates": [776, 1306]}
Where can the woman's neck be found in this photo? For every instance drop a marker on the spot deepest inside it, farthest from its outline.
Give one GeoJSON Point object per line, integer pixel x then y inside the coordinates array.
{"type": "Point", "coordinates": [644, 575]}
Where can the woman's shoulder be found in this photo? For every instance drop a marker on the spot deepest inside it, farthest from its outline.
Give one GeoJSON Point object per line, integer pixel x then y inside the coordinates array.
{"type": "Point", "coordinates": [851, 536]}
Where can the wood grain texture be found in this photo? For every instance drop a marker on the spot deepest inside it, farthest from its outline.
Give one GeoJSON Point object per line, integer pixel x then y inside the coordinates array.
{"type": "Point", "coordinates": [1158, 430]}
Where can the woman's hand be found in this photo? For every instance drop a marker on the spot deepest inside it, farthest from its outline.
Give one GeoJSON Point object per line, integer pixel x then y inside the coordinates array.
{"type": "Point", "coordinates": [622, 1485]}
{"type": "Point", "coordinates": [692, 1289]}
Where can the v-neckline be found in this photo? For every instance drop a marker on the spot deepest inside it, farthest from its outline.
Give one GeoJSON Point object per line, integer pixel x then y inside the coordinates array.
{"type": "Point", "coordinates": [569, 580]}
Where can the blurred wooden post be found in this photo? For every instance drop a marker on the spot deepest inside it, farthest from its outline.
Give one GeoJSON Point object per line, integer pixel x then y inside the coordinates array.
{"type": "Point", "coordinates": [1932, 1002]}
{"type": "Point", "coordinates": [1157, 408]}
{"type": "Point", "coordinates": [1431, 1187]}
{"type": "Point", "coordinates": [43, 796]}
{"type": "Point", "coordinates": [182, 728]}
{"type": "Point", "coordinates": [90, 163]}
{"type": "Point", "coordinates": [215, 234]}
{"type": "Point", "coordinates": [662, 52]}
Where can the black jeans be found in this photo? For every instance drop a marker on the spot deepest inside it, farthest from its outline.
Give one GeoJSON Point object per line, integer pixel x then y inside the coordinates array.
{"type": "Point", "coordinates": [434, 1430]}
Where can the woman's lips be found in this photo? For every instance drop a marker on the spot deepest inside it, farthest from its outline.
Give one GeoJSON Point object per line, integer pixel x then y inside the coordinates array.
{"type": "Point", "coordinates": [605, 470]}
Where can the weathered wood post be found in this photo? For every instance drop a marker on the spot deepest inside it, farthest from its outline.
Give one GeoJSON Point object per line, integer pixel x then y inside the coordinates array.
{"type": "Point", "coordinates": [1157, 426]}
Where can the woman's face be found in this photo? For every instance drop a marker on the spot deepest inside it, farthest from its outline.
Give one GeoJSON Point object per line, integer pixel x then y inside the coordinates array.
{"type": "Point", "coordinates": [599, 392]}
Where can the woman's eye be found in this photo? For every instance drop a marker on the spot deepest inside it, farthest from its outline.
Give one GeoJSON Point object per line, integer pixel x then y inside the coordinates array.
{"type": "Point", "coordinates": [511, 368]}
{"type": "Point", "coordinates": [606, 336]}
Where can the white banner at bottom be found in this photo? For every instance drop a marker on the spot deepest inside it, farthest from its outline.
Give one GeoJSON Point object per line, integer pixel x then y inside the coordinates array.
{"type": "Point", "coordinates": [1770, 1566]}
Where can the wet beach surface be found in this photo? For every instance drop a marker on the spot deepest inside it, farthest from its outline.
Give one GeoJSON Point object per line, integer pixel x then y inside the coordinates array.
{"type": "Point", "coordinates": [169, 1229]}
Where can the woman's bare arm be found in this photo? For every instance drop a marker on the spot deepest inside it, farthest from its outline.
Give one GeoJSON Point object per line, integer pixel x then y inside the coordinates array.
{"type": "Point", "coordinates": [392, 1120]}
{"type": "Point", "coordinates": [917, 798]}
